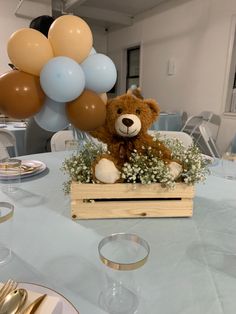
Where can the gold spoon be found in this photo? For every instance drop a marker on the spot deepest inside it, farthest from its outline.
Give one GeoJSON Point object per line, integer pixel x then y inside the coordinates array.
{"type": "Point", "coordinates": [13, 302]}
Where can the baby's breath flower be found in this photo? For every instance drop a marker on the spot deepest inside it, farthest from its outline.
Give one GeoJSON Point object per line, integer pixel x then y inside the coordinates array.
{"type": "Point", "coordinates": [145, 168]}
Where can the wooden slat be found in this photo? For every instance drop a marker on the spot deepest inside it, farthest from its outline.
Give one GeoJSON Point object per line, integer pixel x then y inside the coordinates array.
{"type": "Point", "coordinates": [131, 209]}
{"type": "Point", "coordinates": [123, 190]}
{"type": "Point", "coordinates": [130, 201]}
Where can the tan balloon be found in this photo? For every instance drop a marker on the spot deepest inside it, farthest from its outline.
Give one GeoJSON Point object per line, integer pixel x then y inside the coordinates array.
{"type": "Point", "coordinates": [103, 97]}
{"type": "Point", "coordinates": [29, 50]}
{"type": "Point", "coordinates": [71, 36]}
{"type": "Point", "coordinates": [87, 112]}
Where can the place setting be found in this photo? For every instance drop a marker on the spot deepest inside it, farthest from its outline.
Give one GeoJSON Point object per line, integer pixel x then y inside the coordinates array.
{"type": "Point", "coordinates": [11, 168]}
{"type": "Point", "coordinates": [29, 298]}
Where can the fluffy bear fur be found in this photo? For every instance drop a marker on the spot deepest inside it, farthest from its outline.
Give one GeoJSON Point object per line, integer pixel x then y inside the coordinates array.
{"type": "Point", "coordinates": [128, 119]}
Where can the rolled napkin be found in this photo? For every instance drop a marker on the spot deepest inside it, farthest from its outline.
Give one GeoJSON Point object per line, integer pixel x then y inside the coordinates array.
{"type": "Point", "coordinates": [50, 305]}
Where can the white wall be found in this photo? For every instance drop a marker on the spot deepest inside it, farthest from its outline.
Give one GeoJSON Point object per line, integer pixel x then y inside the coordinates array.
{"type": "Point", "coordinates": [8, 24]}
{"type": "Point", "coordinates": [196, 35]}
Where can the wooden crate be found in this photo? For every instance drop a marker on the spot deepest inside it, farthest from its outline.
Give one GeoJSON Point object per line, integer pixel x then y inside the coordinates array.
{"type": "Point", "coordinates": [124, 200]}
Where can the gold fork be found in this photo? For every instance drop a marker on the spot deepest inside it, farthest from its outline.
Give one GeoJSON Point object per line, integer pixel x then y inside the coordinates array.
{"type": "Point", "coordinates": [9, 286]}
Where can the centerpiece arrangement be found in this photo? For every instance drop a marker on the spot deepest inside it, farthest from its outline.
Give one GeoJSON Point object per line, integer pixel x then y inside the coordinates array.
{"type": "Point", "coordinates": [136, 174]}
{"type": "Point", "coordinates": [61, 80]}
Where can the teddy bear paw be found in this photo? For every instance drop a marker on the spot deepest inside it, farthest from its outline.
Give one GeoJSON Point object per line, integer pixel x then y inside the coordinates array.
{"type": "Point", "coordinates": [106, 171]}
{"type": "Point", "coordinates": [175, 169]}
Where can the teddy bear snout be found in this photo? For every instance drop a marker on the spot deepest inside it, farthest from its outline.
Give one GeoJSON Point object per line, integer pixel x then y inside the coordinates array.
{"type": "Point", "coordinates": [127, 122]}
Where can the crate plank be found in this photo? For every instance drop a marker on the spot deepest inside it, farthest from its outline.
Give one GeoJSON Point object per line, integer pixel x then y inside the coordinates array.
{"type": "Point", "coordinates": [93, 201]}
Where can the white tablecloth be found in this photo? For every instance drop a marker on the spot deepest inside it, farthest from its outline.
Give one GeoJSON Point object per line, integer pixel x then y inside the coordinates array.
{"type": "Point", "coordinates": [191, 268]}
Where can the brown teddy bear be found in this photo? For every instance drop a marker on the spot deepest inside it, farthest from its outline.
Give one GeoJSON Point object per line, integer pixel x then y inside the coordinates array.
{"type": "Point", "coordinates": [128, 119]}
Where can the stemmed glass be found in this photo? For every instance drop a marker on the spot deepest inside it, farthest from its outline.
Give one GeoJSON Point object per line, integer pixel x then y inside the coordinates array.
{"type": "Point", "coordinates": [10, 174]}
{"type": "Point", "coordinates": [6, 217]}
{"type": "Point", "coordinates": [121, 253]}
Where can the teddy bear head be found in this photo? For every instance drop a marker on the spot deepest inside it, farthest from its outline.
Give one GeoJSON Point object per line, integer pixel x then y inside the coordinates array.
{"type": "Point", "coordinates": [128, 115]}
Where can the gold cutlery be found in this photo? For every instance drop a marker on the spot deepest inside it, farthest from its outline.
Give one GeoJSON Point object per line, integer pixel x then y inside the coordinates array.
{"type": "Point", "coordinates": [34, 305]}
{"type": "Point", "coordinates": [13, 301]}
{"type": "Point", "coordinates": [8, 286]}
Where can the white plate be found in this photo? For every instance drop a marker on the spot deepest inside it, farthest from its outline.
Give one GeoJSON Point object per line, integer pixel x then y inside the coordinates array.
{"type": "Point", "coordinates": [67, 307]}
{"type": "Point", "coordinates": [37, 167]}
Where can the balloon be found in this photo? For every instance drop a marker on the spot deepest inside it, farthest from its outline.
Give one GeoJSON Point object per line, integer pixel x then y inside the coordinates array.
{"type": "Point", "coordinates": [42, 24]}
{"type": "Point", "coordinates": [62, 79]}
{"type": "Point", "coordinates": [87, 112]}
{"type": "Point", "coordinates": [21, 95]}
{"type": "Point", "coordinates": [70, 36]}
{"type": "Point", "coordinates": [92, 52]}
{"type": "Point", "coordinates": [100, 73]}
{"type": "Point", "coordinates": [52, 116]}
{"type": "Point", "coordinates": [103, 97]}
{"type": "Point", "coordinates": [29, 50]}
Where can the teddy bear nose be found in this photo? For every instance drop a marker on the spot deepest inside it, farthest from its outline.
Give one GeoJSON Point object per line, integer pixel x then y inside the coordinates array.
{"type": "Point", "coordinates": [127, 122]}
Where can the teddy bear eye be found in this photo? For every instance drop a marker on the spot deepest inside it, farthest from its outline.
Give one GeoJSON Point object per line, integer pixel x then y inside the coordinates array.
{"type": "Point", "coordinates": [138, 111]}
{"type": "Point", "coordinates": [119, 110]}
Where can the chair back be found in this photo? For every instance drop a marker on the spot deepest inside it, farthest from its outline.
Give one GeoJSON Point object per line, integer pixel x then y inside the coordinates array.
{"type": "Point", "coordinates": [212, 121]}
{"type": "Point", "coordinates": [7, 139]}
{"type": "Point", "coordinates": [59, 138]}
{"type": "Point", "coordinates": [185, 138]}
{"type": "Point", "coordinates": [207, 142]}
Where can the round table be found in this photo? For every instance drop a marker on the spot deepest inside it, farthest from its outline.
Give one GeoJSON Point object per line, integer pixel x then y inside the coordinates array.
{"type": "Point", "coordinates": [190, 270]}
{"type": "Point", "coordinates": [168, 122]}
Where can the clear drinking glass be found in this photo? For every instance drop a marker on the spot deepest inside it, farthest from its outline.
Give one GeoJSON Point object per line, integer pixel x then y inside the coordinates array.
{"type": "Point", "coordinates": [6, 218]}
{"type": "Point", "coordinates": [10, 174]}
{"type": "Point", "coordinates": [228, 163]}
{"type": "Point", "coordinates": [225, 167]}
{"type": "Point", "coordinates": [122, 253]}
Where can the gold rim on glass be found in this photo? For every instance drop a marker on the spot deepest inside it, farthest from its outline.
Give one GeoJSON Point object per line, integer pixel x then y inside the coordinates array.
{"type": "Point", "coordinates": [9, 214]}
{"type": "Point", "coordinates": [125, 236]}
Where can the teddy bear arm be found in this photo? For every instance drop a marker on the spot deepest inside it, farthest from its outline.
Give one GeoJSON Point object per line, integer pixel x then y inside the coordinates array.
{"type": "Point", "coordinates": [105, 169]}
{"type": "Point", "coordinates": [101, 134]}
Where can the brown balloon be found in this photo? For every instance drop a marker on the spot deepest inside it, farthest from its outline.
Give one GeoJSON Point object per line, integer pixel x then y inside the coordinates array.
{"type": "Point", "coordinates": [87, 112]}
{"type": "Point", "coordinates": [21, 95]}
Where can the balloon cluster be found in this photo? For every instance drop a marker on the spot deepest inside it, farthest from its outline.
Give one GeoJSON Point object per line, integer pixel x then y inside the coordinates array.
{"type": "Point", "coordinates": [60, 79]}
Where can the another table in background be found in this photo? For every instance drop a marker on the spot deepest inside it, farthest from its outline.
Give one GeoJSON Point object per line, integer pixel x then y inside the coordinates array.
{"type": "Point", "coordinates": [168, 121]}
{"type": "Point", "coordinates": [18, 129]}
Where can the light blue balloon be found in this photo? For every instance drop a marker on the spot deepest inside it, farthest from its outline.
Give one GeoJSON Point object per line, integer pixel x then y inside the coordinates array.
{"type": "Point", "coordinates": [52, 116]}
{"type": "Point", "coordinates": [100, 73]}
{"type": "Point", "coordinates": [92, 51]}
{"type": "Point", "coordinates": [62, 79]}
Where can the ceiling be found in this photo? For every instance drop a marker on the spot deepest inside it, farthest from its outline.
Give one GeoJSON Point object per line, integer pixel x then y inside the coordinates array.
{"type": "Point", "coordinates": [106, 13]}
{"type": "Point", "coordinates": [110, 14]}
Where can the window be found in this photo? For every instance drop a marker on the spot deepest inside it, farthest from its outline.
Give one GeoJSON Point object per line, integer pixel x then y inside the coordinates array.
{"type": "Point", "coordinates": [132, 73]}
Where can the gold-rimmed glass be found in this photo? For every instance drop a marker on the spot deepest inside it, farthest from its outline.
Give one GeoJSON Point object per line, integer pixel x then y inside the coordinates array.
{"type": "Point", "coordinates": [122, 254]}
{"type": "Point", "coordinates": [6, 219]}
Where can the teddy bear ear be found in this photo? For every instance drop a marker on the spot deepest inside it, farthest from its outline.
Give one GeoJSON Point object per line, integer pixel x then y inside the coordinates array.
{"type": "Point", "coordinates": [153, 105]}
{"type": "Point", "coordinates": [135, 91]}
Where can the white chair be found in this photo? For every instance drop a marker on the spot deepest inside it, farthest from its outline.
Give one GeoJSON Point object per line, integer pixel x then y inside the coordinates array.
{"type": "Point", "coordinates": [7, 140]}
{"type": "Point", "coordinates": [58, 140]}
{"type": "Point", "coordinates": [185, 138]}
{"type": "Point", "coordinates": [207, 140]}
{"type": "Point", "coordinates": [204, 130]}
